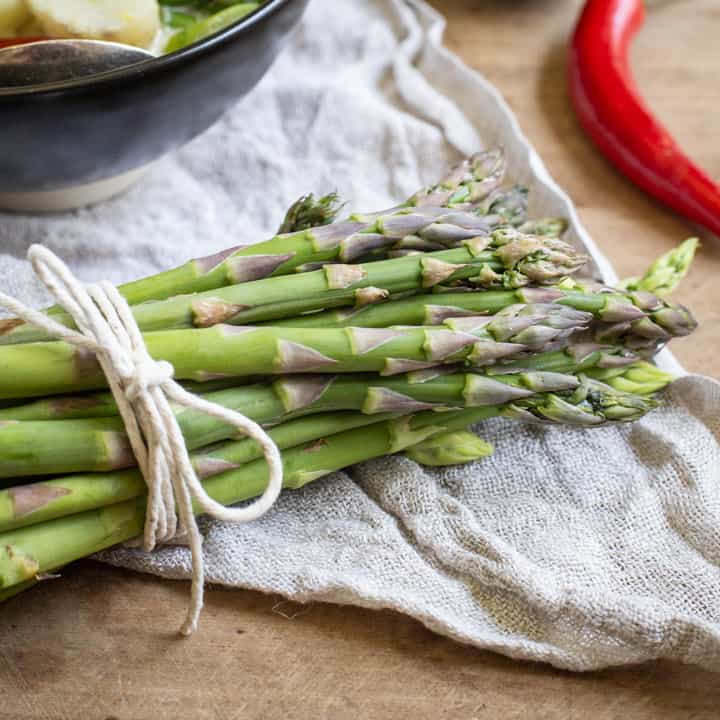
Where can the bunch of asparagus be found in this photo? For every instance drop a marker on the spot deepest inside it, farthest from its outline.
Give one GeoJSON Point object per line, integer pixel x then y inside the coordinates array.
{"type": "Point", "coordinates": [349, 339]}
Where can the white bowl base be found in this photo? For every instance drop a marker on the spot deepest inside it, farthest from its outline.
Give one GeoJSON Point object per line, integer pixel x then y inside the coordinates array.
{"type": "Point", "coordinates": [53, 201]}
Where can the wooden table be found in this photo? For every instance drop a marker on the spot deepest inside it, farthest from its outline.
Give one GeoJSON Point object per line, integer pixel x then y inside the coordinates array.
{"type": "Point", "coordinates": [99, 643]}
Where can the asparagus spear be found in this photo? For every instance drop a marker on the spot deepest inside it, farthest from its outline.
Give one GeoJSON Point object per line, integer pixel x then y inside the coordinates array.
{"type": "Point", "coordinates": [65, 407]}
{"type": "Point", "coordinates": [505, 207]}
{"type": "Point", "coordinates": [51, 368]}
{"type": "Point", "coordinates": [501, 209]}
{"type": "Point", "coordinates": [431, 308]}
{"type": "Point", "coordinates": [62, 446]}
{"type": "Point", "coordinates": [38, 502]}
{"type": "Point", "coordinates": [455, 447]}
{"type": "Point", "coordinates": [629, 318]}
{"type": "Point", "coordinates": [467, 184]}
{"type": "Point", "coordinates": [639, 377]}
{"type": "Point", "coordinates": [470, 181]}
{"type": "Point", "coordinates": [264, 405]}
{"type": "Point", "coordinates": [665, 274]}
{"type": "Point", "coordinates": [519, 258]}
{"type": "Point", "coordinates": [42, 547]}
{"type": "Point", "coordinates": [95, 404]}
{"type": "Point", "coordinates": [552, 226]}
{"type": "Point", "coordinates": [471, 184]}
{"type": "Point", "coordinates": [307, 212]}
{"type": "Point", "coordinates": [643, 331]}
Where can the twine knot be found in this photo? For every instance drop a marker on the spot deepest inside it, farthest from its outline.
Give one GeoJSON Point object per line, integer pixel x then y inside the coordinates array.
{"type": "Point", "coordinates": [145, 375]}
{"type": "Point", "coordinates": [143, 388]}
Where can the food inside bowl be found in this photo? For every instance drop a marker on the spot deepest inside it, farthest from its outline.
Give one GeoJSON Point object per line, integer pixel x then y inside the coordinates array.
{"type": "Point", "coordinates": [161, 26]}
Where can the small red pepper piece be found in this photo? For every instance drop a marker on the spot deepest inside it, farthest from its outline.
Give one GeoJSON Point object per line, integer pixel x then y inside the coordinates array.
{"type": "Point", "coordinates": [9, 42]}
{"type": "Point", "coordinates": [612, 112]}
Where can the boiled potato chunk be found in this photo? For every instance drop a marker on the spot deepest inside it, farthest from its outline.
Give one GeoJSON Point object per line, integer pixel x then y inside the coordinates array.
{"type": "Point", "coordinates": [133, 22]}
{"type": "Point", "coordinates": [13, 13]}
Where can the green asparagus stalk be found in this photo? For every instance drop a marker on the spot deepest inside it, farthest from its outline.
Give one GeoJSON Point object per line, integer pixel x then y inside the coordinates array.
{"type": "Point", "coordinates": [307, 212]}
{"type": "Point", "coordinates": [646, 379]}
{"type": "Point", "coordinates": [518, 259]}
{"type": "Point", "coordinates": [96, 404]}
{"type": "Point", "coordinates": [33, 503]}
{"type": "Point", "coordinates": [652, 321]}
{"type": "Point", "coordinates": [505, 210]}
{"type": "Point", "coordinates": [626, 316]}
{"type": "Point", "coordinates": [640, 378]}
{"type": "Point", "coordinates": [65, 407]}
{"type": "Point", "coordinates": [42, 547]}
{"type": "Point", "coordinates": [37, 369]}
{"type": "Point", "coordinates": [505, 207]}
{"type": "Point", "coordinates": [455, 447]}
{"type": "Point", "coordinates": [265, 406]}
{"type": "Point", "coordinates": [39, 502]}
{"type": "Point", "coordinates": [79, 446]}
{"type": "Point", "coordinates": [550, 226]}
{"type": "Point", "coordinates": [665, 274]}
{"type": "Point", "coordinates": [472, 180]}
{"type": "Point", "coordinates": [38, 548]}
{"type": "Point", "coordinates": [466, 185]}
{"type": "Point", "coordinates": [30, 448]}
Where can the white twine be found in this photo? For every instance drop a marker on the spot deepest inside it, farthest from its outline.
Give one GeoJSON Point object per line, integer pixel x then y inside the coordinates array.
{"type": "Point", "coordinates": [143, 388]}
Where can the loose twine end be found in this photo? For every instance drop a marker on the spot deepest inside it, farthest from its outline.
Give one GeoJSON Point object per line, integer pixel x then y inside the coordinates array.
{"type": "Point", "coordinates": [143, 389]}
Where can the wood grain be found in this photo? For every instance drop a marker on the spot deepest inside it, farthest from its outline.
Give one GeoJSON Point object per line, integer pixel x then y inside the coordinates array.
{"type": "Point", "coordinates": [99, 643]}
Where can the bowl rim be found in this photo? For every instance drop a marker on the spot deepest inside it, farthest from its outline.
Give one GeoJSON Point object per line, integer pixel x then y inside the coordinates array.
{"type": "Point", "coordinates": [155, 64]}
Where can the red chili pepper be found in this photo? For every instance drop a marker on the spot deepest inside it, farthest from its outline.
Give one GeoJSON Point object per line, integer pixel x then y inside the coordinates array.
{"type": "Point", "coordinates": [9, 42]}
{"type": "Point", "coordinates": [612, 112]}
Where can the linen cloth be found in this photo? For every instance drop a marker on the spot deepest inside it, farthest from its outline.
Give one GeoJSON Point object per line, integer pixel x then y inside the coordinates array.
{"type": "Point", "coordinates": [579, 548]}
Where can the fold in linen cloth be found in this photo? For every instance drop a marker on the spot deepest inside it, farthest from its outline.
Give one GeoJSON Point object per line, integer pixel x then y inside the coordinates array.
{"type": "Point", "coordinates": [578, 548]}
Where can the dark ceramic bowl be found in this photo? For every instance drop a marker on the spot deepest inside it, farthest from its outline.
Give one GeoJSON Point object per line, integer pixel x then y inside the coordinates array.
{"type": "Point", "coordinates": [76, 142]}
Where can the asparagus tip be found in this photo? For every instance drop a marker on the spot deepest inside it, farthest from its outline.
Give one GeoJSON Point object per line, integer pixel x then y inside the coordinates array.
{"type": "Point", "coordinates": [452, 448]}
{"type": "Point", "coordinates": [665, 274]}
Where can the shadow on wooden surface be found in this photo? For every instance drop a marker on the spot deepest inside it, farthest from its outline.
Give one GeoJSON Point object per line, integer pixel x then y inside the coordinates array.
{"type": "Point", "coordinates": [102, 643]}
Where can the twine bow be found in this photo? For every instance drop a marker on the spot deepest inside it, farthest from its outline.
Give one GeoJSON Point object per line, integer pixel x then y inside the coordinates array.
{"type": "Point", "coordinates": [143, 389]}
